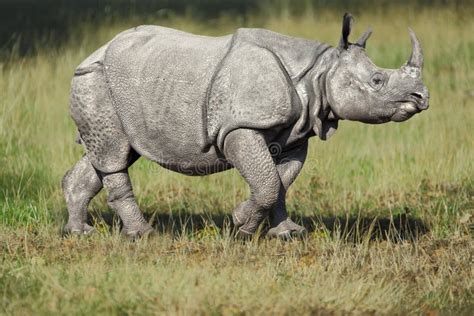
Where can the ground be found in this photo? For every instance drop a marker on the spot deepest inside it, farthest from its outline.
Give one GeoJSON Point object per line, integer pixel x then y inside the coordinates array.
{"type": "Point", "coordinates": [389, 207]}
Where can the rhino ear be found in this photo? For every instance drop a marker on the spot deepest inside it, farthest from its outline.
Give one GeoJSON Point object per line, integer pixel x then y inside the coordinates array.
{"type": "Point", "coordinates": [363, 39]}
{"type": "Point", "coordinates": [347, 21]}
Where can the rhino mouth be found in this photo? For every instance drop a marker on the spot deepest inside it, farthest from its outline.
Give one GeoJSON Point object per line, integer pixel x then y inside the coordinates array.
{"type": "Point", "coordinates": [404, 110]}
{"type": "Point", "coordinates": [409, 106]}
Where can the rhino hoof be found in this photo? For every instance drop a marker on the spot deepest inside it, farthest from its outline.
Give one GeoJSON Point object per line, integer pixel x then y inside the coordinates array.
{"type": "Point", "coordinates": [81, 230]}
{"type": "Point", "coordinates": [287, 230]}
{"type": "Point", "coordinates": [291, 235]}
{"type": "Point", "coordinates": [134, 235]}
{"type": "Point", "coordinates": [239, 215]}
{"type": "Point", "coordinates": [244, 234]}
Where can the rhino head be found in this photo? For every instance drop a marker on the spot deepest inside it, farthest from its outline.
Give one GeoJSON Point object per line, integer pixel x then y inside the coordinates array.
{"type": "Point", "coordinates": [359, 90]}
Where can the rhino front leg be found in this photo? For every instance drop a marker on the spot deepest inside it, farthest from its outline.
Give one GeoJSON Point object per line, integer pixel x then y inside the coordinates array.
{"type": "Point", "coordinates": [249, 154]}
{"type": "Point", "coordinates": [288, 169]}
{"type": "Point", "coordinates": [122, 200]}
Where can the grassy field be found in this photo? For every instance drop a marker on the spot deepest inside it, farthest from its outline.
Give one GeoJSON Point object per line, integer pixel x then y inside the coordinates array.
{"type": "Point", "coordinates": [389, 208]}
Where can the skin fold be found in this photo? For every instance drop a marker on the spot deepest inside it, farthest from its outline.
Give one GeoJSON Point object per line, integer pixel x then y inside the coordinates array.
{"type": "Point", "coordinates": [199, 105]}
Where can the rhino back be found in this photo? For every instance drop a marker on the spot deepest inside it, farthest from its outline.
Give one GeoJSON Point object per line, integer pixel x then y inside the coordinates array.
{"type": "Point", "coordinates": [159, 79]}
{"type": "Point", "coordinates": [297, 55]}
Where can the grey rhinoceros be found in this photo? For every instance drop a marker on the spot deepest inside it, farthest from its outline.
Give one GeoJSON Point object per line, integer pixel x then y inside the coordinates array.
{"type": "Point", "coordinates": [199, 105]}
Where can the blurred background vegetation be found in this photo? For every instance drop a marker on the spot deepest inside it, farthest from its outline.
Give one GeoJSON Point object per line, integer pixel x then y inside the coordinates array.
{"type": "Point", "coordinates": [28, 24]}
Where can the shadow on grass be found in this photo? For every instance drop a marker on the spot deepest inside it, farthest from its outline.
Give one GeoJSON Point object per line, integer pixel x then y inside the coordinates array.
{"type": "Point", "coordinates": [351, 229]}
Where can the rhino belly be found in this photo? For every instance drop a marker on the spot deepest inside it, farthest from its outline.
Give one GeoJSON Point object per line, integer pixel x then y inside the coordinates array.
{"type": "Point", "coordinates": [158, 80]}
{"type": "Point", "coordinates": [173, 136]}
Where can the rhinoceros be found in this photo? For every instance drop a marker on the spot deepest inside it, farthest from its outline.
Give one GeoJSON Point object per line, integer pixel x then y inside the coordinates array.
{"type": "Point", "coordinates": [199, 105]}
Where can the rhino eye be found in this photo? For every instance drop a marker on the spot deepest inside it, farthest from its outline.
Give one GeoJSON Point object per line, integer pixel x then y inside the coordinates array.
{"type": "Point", "coordinates": [376, 81]}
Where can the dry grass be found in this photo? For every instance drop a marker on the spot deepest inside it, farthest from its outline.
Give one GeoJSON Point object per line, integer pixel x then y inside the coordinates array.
{"type": "Point", "coordinates": [212, 273]}
{"type": "Point", "coordinates": [408, 187]}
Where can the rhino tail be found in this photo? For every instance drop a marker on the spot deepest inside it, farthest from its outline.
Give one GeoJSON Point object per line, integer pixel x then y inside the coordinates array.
{"type": "Point", "coordinates": [82, 70]}
{"type": "Point", "coordinates": [79, 139]}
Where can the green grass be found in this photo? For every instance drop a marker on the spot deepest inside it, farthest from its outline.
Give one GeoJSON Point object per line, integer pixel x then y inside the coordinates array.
{"type": "Point", "coordinates": [412, 182]}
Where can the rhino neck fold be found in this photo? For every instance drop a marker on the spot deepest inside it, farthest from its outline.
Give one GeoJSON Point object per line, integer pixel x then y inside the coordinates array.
{"type": "Point", "coordinates": [312, 92]}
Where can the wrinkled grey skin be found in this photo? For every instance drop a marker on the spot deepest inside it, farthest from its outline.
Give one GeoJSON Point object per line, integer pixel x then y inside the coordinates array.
{"type": "Point", "coordinates": [199, 105]}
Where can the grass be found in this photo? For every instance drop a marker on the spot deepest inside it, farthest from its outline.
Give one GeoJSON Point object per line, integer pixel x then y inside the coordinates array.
{"type": "Point", "coordinates": [389, 207]}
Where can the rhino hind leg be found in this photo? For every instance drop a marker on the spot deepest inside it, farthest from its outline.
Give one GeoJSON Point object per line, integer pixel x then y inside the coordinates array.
{"type": "Point", "coordinates": [107, 147]}
{"type": "Point", "coordinates": [249, 154]}
{"type": "Point", "coordinates": [122, 200]}
{"type": "Point", "coordinates": [80, 184]}
{"type": "Point", "coordinates": [100, 129]}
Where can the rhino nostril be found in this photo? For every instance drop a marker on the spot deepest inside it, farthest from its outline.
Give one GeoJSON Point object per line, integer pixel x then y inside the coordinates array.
{"type": "Point", "coordinates": [416, 95]}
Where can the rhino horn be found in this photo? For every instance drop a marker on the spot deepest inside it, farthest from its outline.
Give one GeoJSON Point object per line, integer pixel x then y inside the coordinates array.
{"type": "Point", "coordinates": [416, 58]}
{"type": "Point", "coordinates": [364, 37]}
